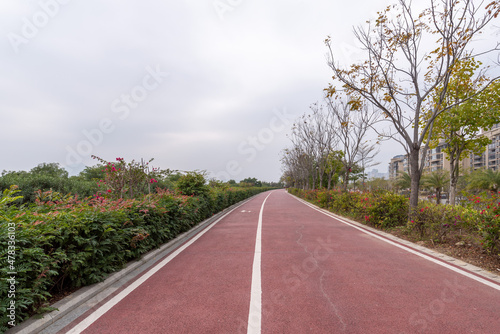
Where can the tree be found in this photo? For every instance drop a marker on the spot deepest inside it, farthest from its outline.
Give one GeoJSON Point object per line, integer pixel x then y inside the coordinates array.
{"type": "Point", "coordinates": [351, 131]}
{"type": "Point", "coordinates": [403, 180]}
{"type": "Point", "coordinates": [92, 173]}
{"type": "Point", "coordinates": [436, 180]}
{"type": "Point", "coordinates": [308, 162]}
{"type": "Point", "coordinates": [485, 179]}
{"type": "Point", "coordinates": [50, 169]}
{"type": "Point", "coordinates": [193, 183]}
{"type": "Point", "coordinates": [378, 183]}
{"type": "Point", "coordinates": [313, 137]}
{"type": "Point", "coordinates": [366, 154]}
{"type": "Point", "coordinates": [402, 71]}
{"type": "Point", "coordinates": [460, 126]}
{"type": "Point", "coordinates": [252, 181]}
{"type": "Point", "coordinates": [333, 167]}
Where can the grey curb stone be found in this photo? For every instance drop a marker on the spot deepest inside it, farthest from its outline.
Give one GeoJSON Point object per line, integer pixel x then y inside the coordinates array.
{"type": "Point", "coordinates": [79, 302]}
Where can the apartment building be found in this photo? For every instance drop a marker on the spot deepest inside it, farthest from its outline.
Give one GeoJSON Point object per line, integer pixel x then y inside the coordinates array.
{"type": "Point", "coordinates": [490, 158]}
{"type": "Point", "coordinates": [436, 158]}
{"type": "Point", "coordinates": [397, 165]}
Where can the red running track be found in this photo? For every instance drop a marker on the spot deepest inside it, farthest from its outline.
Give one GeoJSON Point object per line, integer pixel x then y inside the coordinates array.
{"type": "Point", "coordinates": [318, 275]}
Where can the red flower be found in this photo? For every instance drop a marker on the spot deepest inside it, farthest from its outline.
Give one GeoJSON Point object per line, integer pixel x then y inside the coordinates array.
{"type": "Point", "coordinates": [109, 190]}
{"type": "Point", "coordinates": [153, 181]}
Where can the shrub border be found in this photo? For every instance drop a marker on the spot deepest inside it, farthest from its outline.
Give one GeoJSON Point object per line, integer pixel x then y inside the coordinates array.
{"type": "Point", "coordinates": [474, 270]}
{"type": "Point", "coordinates": [87, 297]}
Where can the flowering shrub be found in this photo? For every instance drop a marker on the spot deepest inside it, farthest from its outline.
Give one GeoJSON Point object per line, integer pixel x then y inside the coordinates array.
{"type": "Point", "coordinates": [63, 241]}
{"type": "Point", "coordinates": [477, 223]}
{"type": "Point", "coordinates": [382, 209]}
{"type": "Point", "coordinates": [128, 179]}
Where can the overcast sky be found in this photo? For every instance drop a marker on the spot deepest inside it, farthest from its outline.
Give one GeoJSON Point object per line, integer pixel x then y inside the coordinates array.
{"type": "Point", "coordinates": [196, 84]}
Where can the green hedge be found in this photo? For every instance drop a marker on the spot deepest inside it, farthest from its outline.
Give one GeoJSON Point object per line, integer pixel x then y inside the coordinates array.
{"type": "Point", "coordinates": [476, 222]}
{"type": "Point", "coordinates": [66, 243]}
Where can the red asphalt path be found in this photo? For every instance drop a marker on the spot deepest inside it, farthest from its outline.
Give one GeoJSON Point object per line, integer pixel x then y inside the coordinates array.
{"type": "Point", "coordinates": [317, 275]}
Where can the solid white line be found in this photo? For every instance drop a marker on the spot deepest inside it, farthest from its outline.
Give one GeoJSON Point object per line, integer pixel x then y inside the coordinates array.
{"type": "Point", "coordinates": [255, 312]}
{"type": "Point", "coordinates": [408, 249]}
{"type": "Point", "coordinates": [84, 324]}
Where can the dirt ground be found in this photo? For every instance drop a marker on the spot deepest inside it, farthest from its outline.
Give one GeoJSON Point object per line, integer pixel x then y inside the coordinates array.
{"type": "Point", "coordinates": [467, 252]}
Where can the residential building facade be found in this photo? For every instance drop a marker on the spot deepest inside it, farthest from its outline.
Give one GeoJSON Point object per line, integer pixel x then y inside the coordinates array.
{"type": "Point", "coordinates": [398, 164]}
{"type": "Point", "coordinates": [436, 158]}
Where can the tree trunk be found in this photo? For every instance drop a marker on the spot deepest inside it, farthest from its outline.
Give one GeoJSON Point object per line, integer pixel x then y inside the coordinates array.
{"type": "Point", "coordinates": [454, 173]}
{"type": "Point", "coordinates": [346, 180]}
{"type": "Point", "coordinates": [438, 196]}
{"type": "Point", "coordinates": [415, 182]}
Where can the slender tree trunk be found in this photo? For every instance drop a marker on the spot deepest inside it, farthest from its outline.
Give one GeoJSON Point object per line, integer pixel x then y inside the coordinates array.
{"type": "Point", "coordinates": [453, 184]}
{"type": "Point", "coordinates": [346, 180]}
{"type": "Point", "coordinates": [438, 196]}
{"type": "Point", "coordinates": [415, 182]}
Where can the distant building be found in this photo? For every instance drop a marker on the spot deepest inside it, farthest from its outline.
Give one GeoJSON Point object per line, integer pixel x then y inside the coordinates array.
{"type": "Point", "coordinates": [490, 159]}
{"type": "Point", "coordinates": [436, 158]}
{"type": "Point", "coordinates": [375, 174]}
{"type": "Point", "coordinates": [398, 164]}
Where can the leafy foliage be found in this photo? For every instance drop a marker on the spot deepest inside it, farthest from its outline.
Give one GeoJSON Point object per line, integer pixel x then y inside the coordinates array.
{"type": "Point", "coordinates": [485, 179]}
{"type": "Point", "coordinates": [64, 242]}
{"type": "Point", "coordinates": [192, 183]}
{"type": "Point", "coordinates": [477, 222]}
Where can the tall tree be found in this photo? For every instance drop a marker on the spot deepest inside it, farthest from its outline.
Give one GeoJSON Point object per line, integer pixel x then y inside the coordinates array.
{"type": "Point", "coordinates": [460, 126]}
{"type": "Point", "coordinates": [351, 130]}
{"type": "Point", "coordinates": [399, 75]}
{"type": "Point", "coordinates": [366, 154]}
{"type": "Point", "coordinates": [50, 169]}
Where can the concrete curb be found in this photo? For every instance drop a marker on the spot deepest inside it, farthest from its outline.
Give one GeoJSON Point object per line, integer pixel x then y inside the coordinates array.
{"type": "Point", "coordinates": [79, 302]}
{"type": "Point", "coordinates": [445, 258]}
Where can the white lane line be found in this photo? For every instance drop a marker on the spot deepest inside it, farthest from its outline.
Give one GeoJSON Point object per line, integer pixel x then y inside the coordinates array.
{"type": "Point", "coordinates": [255, 312]}
{"type": "Point", "coordinates": [84, 324]}
{"type": "Point", "coordinates": [408, 249]}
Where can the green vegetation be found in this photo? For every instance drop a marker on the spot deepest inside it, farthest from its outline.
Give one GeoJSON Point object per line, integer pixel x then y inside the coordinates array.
{"type": "Point", "coordinates": [476, 222]}
{"type": "Point", "coordinates": [116, 212]}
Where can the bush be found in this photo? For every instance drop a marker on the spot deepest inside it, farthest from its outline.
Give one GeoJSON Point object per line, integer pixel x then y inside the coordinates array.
{"type": "Point", "coordinates": [63, 242]}
{"type": "Point", "coordinates": [192, 184]}
{"type": "Point", "coordinates": [477, 223]}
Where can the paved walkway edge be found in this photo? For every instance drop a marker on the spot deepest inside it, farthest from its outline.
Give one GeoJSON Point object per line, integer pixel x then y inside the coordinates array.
{"type": "Point", "coordinates": [443, 257]}
{"type": "Point", "coordinates": [91, 295]}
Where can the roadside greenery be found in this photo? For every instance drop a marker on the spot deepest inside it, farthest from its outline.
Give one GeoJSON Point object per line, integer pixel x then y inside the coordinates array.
{"type": "Point", "coordinates": [66, 240]}
{"type": "Point", "coordinates": [476, 222]}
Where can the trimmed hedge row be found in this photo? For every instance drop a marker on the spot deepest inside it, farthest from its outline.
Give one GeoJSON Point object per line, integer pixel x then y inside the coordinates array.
{"type": "Point", "coordinates": [64, 243]}
{"type": "Point", "coordinates": [476, 223]}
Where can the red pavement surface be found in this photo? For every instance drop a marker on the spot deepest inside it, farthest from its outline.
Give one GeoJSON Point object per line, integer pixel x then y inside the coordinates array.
{"type": "Point", "coordinates": [318, 276]}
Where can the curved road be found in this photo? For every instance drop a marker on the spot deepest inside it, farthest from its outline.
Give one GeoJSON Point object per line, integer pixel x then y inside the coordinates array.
{"type": "Point", "coordinates": [278, 265]}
